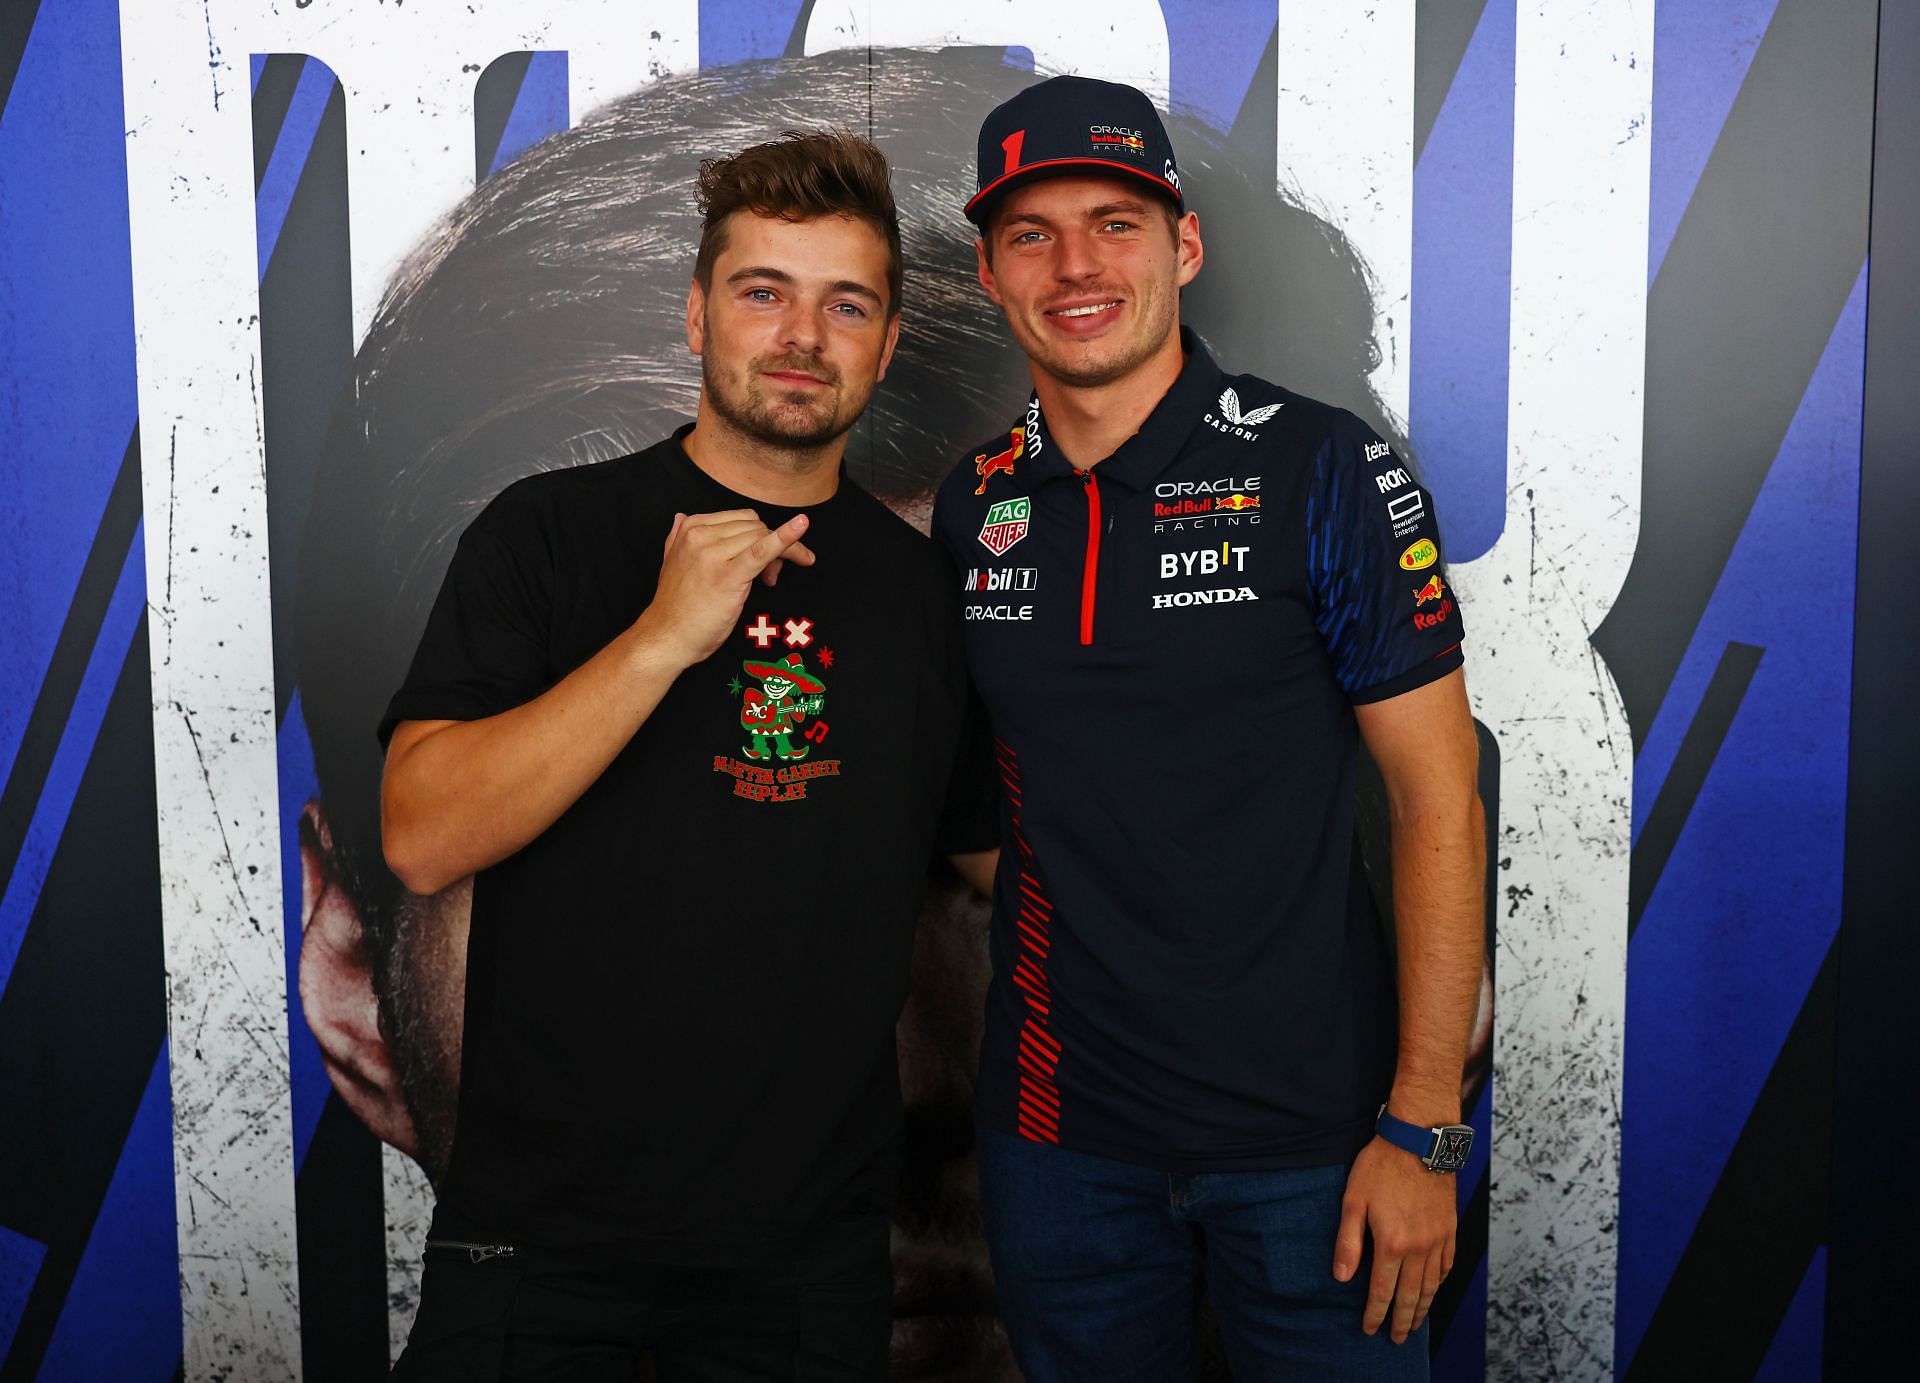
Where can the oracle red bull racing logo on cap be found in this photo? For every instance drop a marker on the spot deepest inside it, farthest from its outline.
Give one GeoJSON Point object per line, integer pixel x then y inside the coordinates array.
{"type": "Point", "coordinates": [1006, 524]}
{"type": "Point", "coordinates": [1107, 139]}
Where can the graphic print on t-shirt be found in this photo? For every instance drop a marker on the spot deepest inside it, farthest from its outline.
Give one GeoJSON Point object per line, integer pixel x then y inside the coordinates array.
{"type": "Point", "coordinates": [770, 712]}
{"type": "Point", "coordinates": [781, 703]}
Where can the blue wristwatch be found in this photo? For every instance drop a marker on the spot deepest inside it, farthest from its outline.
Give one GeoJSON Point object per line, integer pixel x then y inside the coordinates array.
{"type": "Point", "coordinates": [1443, 1148]}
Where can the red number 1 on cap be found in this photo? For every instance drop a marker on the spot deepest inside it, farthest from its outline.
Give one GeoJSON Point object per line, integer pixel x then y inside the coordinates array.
{"type": "Point", "coordinates": [1012, 145]}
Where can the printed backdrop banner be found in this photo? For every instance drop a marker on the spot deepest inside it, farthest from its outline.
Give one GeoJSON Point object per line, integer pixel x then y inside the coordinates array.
{"type": "Point", "coordinates": [293, 289]}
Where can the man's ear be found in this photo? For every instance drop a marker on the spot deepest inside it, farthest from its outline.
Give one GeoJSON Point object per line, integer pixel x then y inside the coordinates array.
{"type": "Point", "coordinates": [886, 351]}
{"type": "Point", "coordinates": [984, 270]}
{"type": "Point", "coordinates": [337, 995]}
{"type": "Point", "coordinates": [1191, 254]}
{"type": "Point", "coordinates": [696, 317]}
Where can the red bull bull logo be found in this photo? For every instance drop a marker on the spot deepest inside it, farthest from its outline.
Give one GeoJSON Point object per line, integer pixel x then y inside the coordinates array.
{"type": "Point", "coordinates": [1433, 590]}
{"type": "Point", "coordinates": [1429, 619]}
{"type": "Point", "coordinates": [986, 467]}
{"type": "Point", "coordinates": [1237, 502]}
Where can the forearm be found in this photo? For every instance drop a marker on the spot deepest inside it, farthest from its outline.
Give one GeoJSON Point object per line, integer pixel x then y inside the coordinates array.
{"type": "Point", "coordinates": [466, 794]}
{"type": "Point", "coordinates": [1439, 867]}
{"type": "Point", "coordinates": [978, 869]}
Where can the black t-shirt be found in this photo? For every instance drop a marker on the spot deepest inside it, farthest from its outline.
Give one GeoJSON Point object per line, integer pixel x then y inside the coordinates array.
{"type": "Point", "coordinates": [1189, 971]}
{"type": "Point", "coordinates": [681, 996]}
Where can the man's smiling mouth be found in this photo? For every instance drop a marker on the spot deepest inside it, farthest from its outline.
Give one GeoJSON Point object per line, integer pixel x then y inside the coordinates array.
{"type": "Point", "coordinates": [1086, 311]}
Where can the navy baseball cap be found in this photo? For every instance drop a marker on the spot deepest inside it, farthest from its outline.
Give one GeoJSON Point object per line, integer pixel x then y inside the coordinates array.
{"type": "Point", "coordinates": [1072, 125]}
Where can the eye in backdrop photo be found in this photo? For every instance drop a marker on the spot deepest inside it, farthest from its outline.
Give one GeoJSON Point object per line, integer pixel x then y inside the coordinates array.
{"type": "Point", "coordinates": [292, 290]}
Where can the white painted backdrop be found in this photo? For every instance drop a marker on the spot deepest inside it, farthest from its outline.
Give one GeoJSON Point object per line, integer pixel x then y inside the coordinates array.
{"type": "Point", "coordinates": [1582, 108]}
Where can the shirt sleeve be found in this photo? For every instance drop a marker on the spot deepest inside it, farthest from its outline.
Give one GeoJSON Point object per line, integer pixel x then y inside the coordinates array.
{"type": "Point", "coordinates": [1385, 611]}
{"type": "Point", "coordinates": [485, 648]}
{"type": "Point", "coordinates": [969, 818]}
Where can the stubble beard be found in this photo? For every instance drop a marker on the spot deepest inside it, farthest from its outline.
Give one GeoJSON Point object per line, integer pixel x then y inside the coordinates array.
{"type": "Point", "coordinates": [1083, 368]}
{"type": "Point", "coordinates": [423, 1016]}
{"type": "Point", "coordinates": [780, 419]}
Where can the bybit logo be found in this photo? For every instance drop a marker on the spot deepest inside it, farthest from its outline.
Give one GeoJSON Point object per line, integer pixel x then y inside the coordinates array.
{"type": "Point", "coordinates": [1203, 562]}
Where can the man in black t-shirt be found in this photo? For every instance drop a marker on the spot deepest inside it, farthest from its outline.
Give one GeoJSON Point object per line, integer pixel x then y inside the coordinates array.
{"type": "Point", "coordinates": [1190, 597]}
{"type": "Point", "coordinates": [693, 720]}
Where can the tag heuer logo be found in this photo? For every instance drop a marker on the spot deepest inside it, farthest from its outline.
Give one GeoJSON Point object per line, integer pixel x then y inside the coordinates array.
{"type": "Point", "coordinates": [1006, 525]}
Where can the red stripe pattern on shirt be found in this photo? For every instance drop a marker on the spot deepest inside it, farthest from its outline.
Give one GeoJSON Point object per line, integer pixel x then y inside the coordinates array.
{"type": "Point", "coordinates": [1037, 1112]}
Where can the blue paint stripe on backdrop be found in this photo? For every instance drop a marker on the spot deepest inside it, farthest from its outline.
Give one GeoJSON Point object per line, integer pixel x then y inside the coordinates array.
{"type": "Point", "coordinates": [256, 64]}
{"type": "Point", "coordinates": [299, 784]}
{"type": "Point", "coordinates": [121, 1318]}
{"type": "Point", "coordinates": [1462, 1356]}
{"type": "Point", "coordinates": [20, 1260]}
{"type": "Point", "coordinates": [1214, 49]}
{"type": "Point", "coordinates": [742, 30]}
{"type": "Point", "coordinates": [1701, 52]}
{"type": "Point", "coordinates": [1480, 1120]}
{"type": "Point", "coordinates": [538, 111]}
{"type": "Point", "coordinates": [1800, 1341]}
{"type": "Point", "coordinates": [1462, 281]}
{"type": "Point", "coordinates": [67, 402]}
{"type": "Point", "coordinates": [1828, 418]}
{"type": "Point", "coordinates": [1750, 900]}
{"type": "Point", "coordinates": [69, 764]}
{"type": "Point", "coordinates": [289, 158]}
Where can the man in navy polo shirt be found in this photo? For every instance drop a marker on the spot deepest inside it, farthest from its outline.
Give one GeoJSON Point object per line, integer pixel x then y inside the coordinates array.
{"type": "Point", "coordinates": [1190, 597]}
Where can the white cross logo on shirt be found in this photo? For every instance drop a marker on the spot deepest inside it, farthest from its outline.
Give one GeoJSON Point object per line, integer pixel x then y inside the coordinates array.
{"type": "Point", "coordinates": [762, 631]}
{"type": "Point", "coordinates": [799, 633]}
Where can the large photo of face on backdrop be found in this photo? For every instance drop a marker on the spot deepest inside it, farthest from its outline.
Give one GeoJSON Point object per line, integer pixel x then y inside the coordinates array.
{"type": "Point", "coordinates": [540, 325]}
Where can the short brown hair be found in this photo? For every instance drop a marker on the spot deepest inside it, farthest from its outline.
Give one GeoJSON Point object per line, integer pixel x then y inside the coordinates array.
{"type": "Point", "coordinates": [797, 177]}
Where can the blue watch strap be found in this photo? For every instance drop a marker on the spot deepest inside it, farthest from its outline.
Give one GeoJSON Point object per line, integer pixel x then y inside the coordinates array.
{"type": "Point", "coordinates": [1416, 1140]}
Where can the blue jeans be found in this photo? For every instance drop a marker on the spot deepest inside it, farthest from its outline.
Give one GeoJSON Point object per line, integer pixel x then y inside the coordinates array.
{"type": "Point", "coordinates": [1100, 1265]}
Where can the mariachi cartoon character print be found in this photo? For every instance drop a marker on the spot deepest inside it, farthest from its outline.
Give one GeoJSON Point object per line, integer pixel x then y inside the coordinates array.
{"type": "Point", "coordinates": [771, 711]}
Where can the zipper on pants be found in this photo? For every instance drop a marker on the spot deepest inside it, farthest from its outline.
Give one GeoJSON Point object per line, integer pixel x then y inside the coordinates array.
{"type": "Point", "coordinates": [476, 1253]}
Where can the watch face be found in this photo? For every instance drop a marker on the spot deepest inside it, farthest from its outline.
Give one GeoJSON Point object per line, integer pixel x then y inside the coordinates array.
{"type": "Point", "coordinates": [1451, 1149]}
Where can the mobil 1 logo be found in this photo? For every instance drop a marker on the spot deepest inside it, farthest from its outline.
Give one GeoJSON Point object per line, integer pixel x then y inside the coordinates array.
{"type": "Point", "coordinates": [1001, 579]}
{"type": "Point", "coordinates": [996, 580]}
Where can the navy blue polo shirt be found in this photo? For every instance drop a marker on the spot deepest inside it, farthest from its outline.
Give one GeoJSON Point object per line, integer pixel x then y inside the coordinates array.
{"type": "Point", "coordinates": [1188, 970]}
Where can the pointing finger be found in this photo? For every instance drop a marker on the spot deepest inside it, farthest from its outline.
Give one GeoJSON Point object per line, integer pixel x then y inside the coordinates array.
{"type": "Point", "coordinates": [782, 542]}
